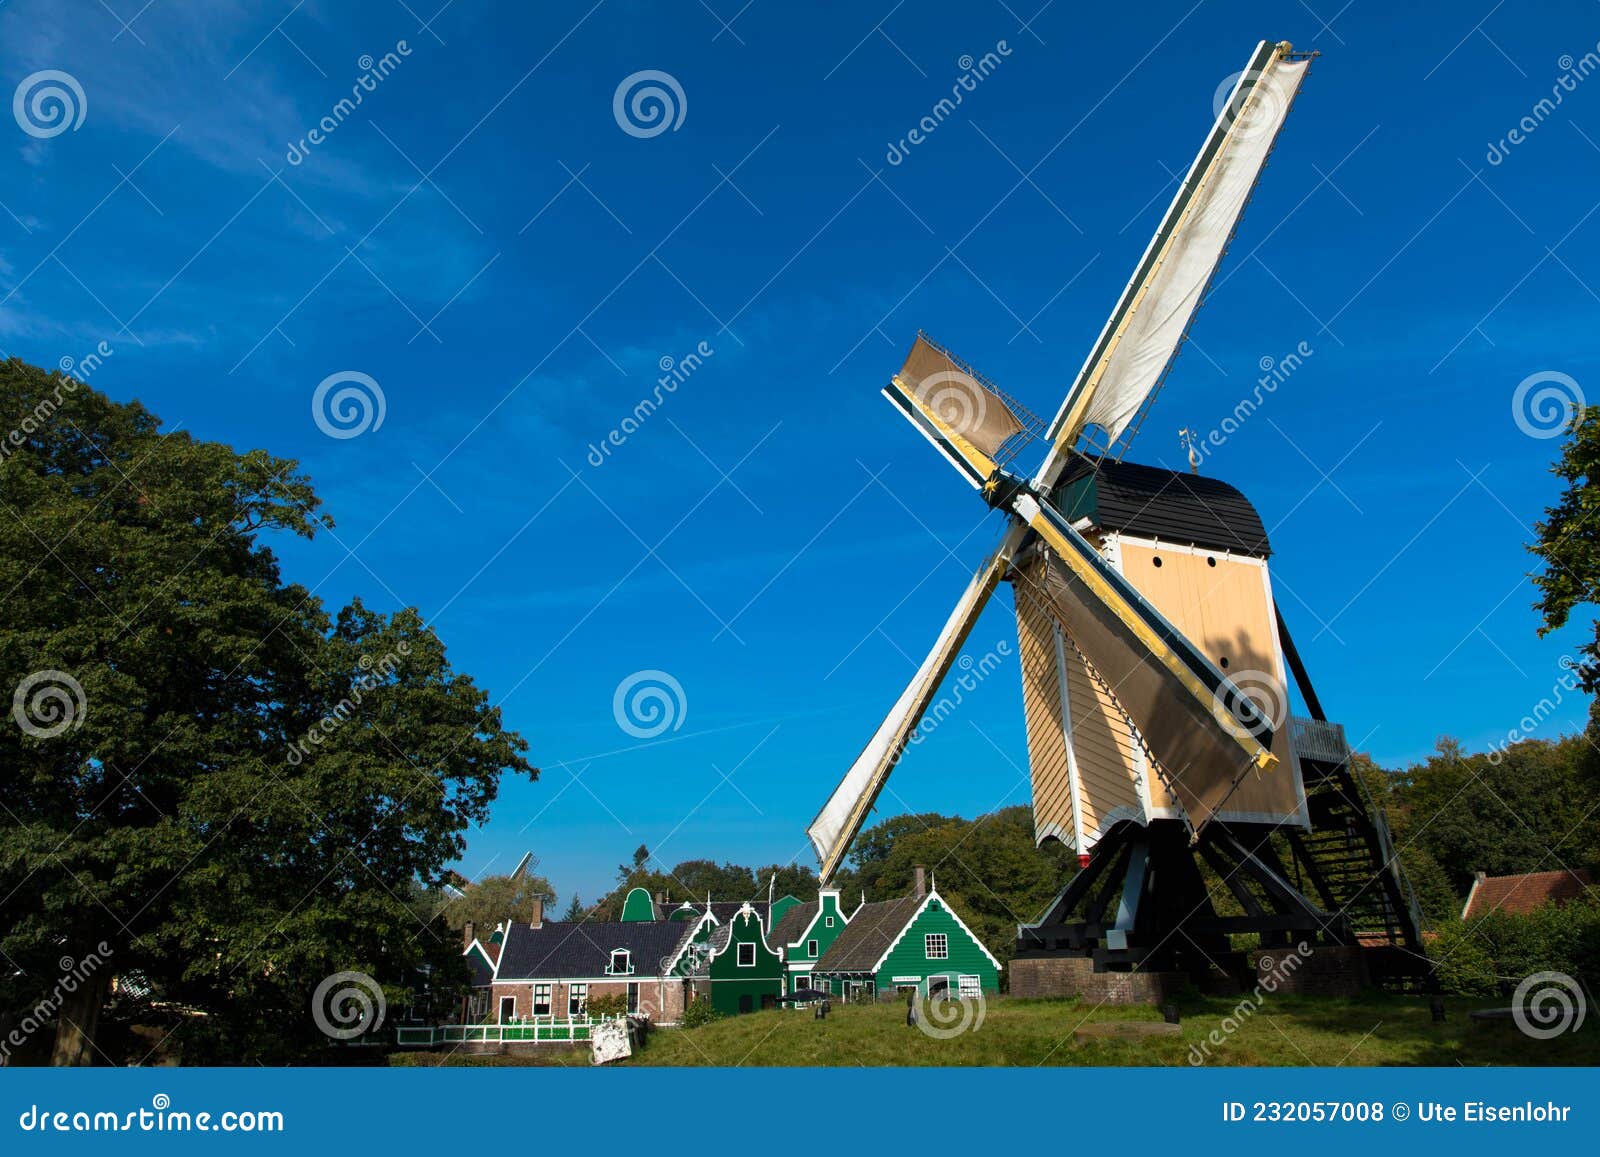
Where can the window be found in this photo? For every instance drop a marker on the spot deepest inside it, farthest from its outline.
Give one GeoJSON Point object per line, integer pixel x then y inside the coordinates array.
{"type": "Point", "coordinates": [541, 1000]}
{"type": "Point", "coordinates": [822, 984]}
{"type": "Point", "coordinates": [621, 963]}
{"type": "Point", "coordinates": [828, 922]}
{"type": "Point", "coordinates": [508, 1009]}
{"type": "Point", "coordinates": [577, 999]}
{"type": "Point", "coordinates": [936, 946]}
{"type": "Point", "coordinates": [811, 948]}
{"type": "Point", "coordinates": [971, 988]}
{"type": "Point", "coordinates": [633, 997]}
{"type": "Point", "coordinates": [747, 955]}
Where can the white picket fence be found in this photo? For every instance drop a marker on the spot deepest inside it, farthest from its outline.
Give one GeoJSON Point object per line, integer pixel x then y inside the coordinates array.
{"type": "Point", "coordinates": [538, 1030]}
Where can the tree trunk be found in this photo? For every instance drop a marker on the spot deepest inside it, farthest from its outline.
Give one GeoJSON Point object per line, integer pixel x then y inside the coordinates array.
{"type": "Point", "coordinates": [78, 1022]}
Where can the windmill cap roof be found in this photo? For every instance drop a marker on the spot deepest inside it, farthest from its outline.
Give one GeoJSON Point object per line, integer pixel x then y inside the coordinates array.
{"type": "Point", "coordinates": [1169, 505]}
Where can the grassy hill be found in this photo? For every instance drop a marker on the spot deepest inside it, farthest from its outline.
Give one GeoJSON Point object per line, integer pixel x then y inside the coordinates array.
{"type": "Point", "coordinates": [1287, 1031]}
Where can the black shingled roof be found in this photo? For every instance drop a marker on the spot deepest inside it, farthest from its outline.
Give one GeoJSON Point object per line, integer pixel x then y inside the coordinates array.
{"type": "Point", "coordinates": [583, 948]}
{"type": "Point", "coordinates": [793, 925]}
{"type": "Point", "coordinates": [868, 935]}
{"type": "Point", "coordinates": [1153, 502]}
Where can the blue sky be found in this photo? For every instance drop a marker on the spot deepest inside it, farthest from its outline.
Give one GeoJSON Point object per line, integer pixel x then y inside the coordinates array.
{"type": "Point", "coordinates": [482, 238]}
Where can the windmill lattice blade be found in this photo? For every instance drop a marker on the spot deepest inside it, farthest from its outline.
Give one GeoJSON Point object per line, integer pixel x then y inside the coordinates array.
{"type": "Point", "coordinates": [846, 810]}
{"type": "Point", "coordinates": [1143, 334]}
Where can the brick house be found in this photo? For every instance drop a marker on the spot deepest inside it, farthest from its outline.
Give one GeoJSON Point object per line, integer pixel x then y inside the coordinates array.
{"type": "Point", "coordinates": [549, 968]}
{"type": "Point", "coordinates": [1523, 894]}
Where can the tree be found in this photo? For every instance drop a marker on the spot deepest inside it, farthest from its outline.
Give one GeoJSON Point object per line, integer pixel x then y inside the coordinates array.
{"type": "Point", "coordinates": [1569, 541]}
{"type": "Point", "coordinates": [575, 910]}
{"type": "Point", "coordinates": [496, 899]}
{"type": "Point", "coordinates": [210, 783]}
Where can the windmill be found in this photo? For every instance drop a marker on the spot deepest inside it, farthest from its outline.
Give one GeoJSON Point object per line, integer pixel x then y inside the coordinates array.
{"type": "Point", "coordinates": [1154, 661]}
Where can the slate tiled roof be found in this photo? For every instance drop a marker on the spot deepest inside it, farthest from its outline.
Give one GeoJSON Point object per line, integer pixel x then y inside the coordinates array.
{"type": "Point", "coordinates": [583, 948]}
{"type": "Point", "coordinates": [793, 925]}
{"type": "Point", "coordinates": [868, 935]}
{"type": "Point", "coordinates": [1523, 894]}
{"type": "Point", "coordinates": [1153, 502]}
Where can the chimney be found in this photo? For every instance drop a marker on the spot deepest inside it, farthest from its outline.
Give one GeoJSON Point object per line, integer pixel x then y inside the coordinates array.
{"type": "Point", "coordinates": [468, 935]}
{"type": "Point", "coordinates": [919, 882]}
{"type": "Point", "coordinates": [537, 920]}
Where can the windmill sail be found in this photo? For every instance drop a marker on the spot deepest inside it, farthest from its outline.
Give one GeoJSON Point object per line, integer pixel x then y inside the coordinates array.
{"type": "Point", "coordinates": [952, 406]}
{"type": "Point", "coordinates": [1142, 336]}
{"type": "Point", "coordinates": [1203, 731]}
{"type": "Point", "coordinates": [846, 810]}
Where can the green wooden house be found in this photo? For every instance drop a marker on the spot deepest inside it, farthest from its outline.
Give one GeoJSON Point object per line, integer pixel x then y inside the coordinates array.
{"type": "Point", "coordinates": [914, 943]}
{"type": "Point", "coordinates": [804, 932]}
{"type": "Point", "coordinates": [739, 972]}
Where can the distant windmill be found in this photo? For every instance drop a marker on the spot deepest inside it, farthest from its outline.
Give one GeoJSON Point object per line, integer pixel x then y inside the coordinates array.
{"type": "Point", "coordinates": [1152, 653]}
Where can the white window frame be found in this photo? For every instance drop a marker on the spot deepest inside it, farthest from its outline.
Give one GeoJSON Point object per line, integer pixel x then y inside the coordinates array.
{"type": "Point", "coordinates": [969, 987]}
{"type": "Point", "coordinates": [811, 949]}
{"type": "Point", "coordinates": [504, 1019]}
{"type": "Point", "coordinates": [743, 947]}
{"type": "Point", "coordinates": [633, 996]}
{"type": "Point", "coordinates": [577, 994]}
{"type": "Point", "coordinates": [939, 940]}
{"type": "Point", "coordinates": [547, 991]}
{"type": "Point", "coordinates": [827, 922]}
{"type": "Point", "coordinates": [627, 963]}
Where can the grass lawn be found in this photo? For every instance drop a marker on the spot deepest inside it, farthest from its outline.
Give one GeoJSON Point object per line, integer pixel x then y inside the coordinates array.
{"type": "Point", "coordinates": [1371, 1030]}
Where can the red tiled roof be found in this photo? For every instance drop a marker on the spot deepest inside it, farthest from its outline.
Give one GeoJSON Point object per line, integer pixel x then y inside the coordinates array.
{"type": "Point", "coordinates": [1523, 894]}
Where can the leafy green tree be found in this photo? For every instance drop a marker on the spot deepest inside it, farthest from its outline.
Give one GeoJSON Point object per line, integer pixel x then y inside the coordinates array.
{"type": "Point", "coordinates": [496, 899]}
{"type": "Point", "coordinates": [1569, 540]}
{"type": "Point", "coordinates": [227, 788]}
